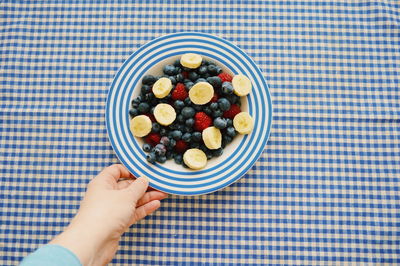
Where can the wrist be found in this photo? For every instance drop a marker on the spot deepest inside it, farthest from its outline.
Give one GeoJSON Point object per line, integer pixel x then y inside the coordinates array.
{"type": "Point", "coordinates": [84, 240]}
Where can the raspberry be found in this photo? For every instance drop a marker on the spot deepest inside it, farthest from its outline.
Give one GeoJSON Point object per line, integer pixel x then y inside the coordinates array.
{"type": "Point", "coordinates": [179, 92]}
{"type": "Point", "coordinates": [153, 139]}
{"type": "Point", "coordinates": [234, 110]}
{"type": "Point", "coordinates": [214, 98]}
{"type": "Point", "coordinates": [225, 77]}
{"type": "Point", "coordinates": [181, 146]}
{"type": "Point", "coordinates": [202, 121]}
{"type": "Point", "coordinates": [185, 74]}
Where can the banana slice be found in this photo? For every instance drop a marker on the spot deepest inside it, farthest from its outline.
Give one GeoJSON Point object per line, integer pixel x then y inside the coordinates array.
{"type": "Point", "coordinates": [243, 123]}
{"type": "Point", "coordinates": [165, 114]}
{"type": "Point", "coordinates": [141, 125]}
{"type": "Point", "coordinates": [212, 138]}
{"type": "Point", "coordinates": [241, 85]}
{"type": "Point", "coordinates": [191, 60]}
{"type": "Point", "coordinates": [201, 93]}
{"type": "Point", "coordinates": [162, 87]}
{"type": "Point", "coordinates": [194, 158]}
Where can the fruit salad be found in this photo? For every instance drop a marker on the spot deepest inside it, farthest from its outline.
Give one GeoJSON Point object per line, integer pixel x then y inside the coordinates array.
{"type": "Point", "coordinates": [191, 113]}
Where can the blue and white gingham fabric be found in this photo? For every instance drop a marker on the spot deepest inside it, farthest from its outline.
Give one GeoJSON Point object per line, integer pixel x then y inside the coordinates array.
{"type": "Point", "coordinates": [325, 192]}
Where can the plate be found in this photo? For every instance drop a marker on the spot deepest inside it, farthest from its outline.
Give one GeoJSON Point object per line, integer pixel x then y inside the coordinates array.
{"type": "Point", "coordinates": [238, 157]}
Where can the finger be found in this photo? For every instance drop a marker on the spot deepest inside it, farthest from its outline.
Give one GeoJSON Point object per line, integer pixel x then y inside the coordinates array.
{"type": "Point", "coordinates": [146, 209]}
{"type": "Point", "coordinates": [137, 189]}
{"type": "Point", "coordinates": [115, 172]}
{"type": "Point", "coordinates": [150, 196]}
{"type": "Point", "coordinates": [124, 184]}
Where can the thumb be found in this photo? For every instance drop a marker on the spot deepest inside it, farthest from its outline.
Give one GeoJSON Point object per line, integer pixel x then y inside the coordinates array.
{"type": "Point", "coordinates": [137, 189]}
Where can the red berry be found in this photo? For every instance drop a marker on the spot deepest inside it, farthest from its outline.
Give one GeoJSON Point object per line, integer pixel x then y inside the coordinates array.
{"type": "Point", "coordinates": [214, 98]}
{"type": "Point", "coordinates": [181, 146]}
{"type": "Point", "coordinates": [234, 110]}
{"type": "Point", "coordinates": [225, 77]}
{"type": "Point", "coordinates": [202, 121]}
{"type": "Point", "coordinates": [185, 74]}
{"type": "Point", "coordinates": [179, 93]}
{"type": "Point", "coordinates": [153, 139]}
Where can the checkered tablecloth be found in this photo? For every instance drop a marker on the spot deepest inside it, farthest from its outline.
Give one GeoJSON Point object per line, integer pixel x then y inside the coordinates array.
{"type": "Point", "coordinates": [326, 190]}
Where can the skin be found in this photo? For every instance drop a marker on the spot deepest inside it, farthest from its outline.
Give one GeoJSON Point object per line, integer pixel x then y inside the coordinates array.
{"type": "Point", "coordinates": [109, 208]}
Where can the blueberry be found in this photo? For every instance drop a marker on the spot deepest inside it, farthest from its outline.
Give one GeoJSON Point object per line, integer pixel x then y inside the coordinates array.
{"type": "Point", "coordinates": [144, 108]}
{"type": "Point", "coordinates": [149, 80]}
{"type": "Point", "coordinates": [193, 76]}
{"type": "Point", "coordinates": [186, 69]}
{"type": "Point", "coordinates": [176, 134]}
{"type": "Point", "coordinates": [208, 110]}
{"type": "Point", "coordinates": [172, 143]}
{"type": "Point", "coordinates": [169, 155]}
{"type": "Point", "coordinates": [179, 78]}
{"type": "Point", "coordinates": [219, 123]}
{"type": "Point", "coordinates": [177, 63]}
{"type": "Point", "coordinates": [149, 97]}
{"type": "Point", "coordinates": [178, 158]}
{"type": "Point", "coordinates": [180, 127]}
{"type": "Point", "coordinates": [133, 112]}
{"type": "Point", "coordinates": [187, 101]}
{"type": "Point", "coordinates": [217, 152]}
{"type": "Point", "coordinates": [227, 87]}
{"type": "Point", "coordinates": [189, 122]}
{"type": "Point", "coordinates": [188, 129]}
{"type": "Point", "coordinates": [212, 70]}
{"type": "Point", "coordinates": [180, 118]}
{"type": "Point", "coordinates": [169, 70]}
{"type": "Point", "coordinates": [173, 80]}
{"type": "Point", "coordinates": [161, 159]}
{"type": "Point", "coordinates": [188, 112]}
{"type": "Point", "coordinates": [216, 82]}
{"type": "Point", "coordinates": [186, 137]}
{"type": "Point", "coordinates": [146, 147]}
{"type": "Point", "coordinates": [178, 70]}
{"type": "Point", "coordinates": [219, 70]}
{"type": "Point", "coordinates": [135, 102]}
{"type": "Point", "coordinates": [229, 122]}
{"type": "Point", "coordinates": [196, 136]}
{"type": "Point", "coordinates": [186, 80]}
{"type": "Point", "coordinates": [178, 104]}
{"type": "Point", "coordinates": [231, 132]}
{"type": "Point", "coordinates": [164, 141]}
{"type": "Point", "coordinates": [205, 76]}
{"type": "Point", "coordinates": [217, 113]}
{"type": "Point", "coordinates": [197, 107]}
{"type": "Point", "coordinates": [233, 98]}
{"type": "Point", "coordinates": [205, 63]}
{"type": "Point", "coordinates": [163, 132]}
{"type": "Point", "coordinates": [224, 104]}
{"type": "Point", "coordinates": [151, 157]}
{"type": "Point", "coordinates": [214, 106]}
{"type": "Point", "coordinates": [189, 85]}
{"type": "Point", "coordinates": [200, 80]}
{"type": "Point", "coordinates": [194, 145]}
{"type": "Point", "coordinates": [145, 89]}
{"type": "Point", "coordinates": [202, 70]}
{"type": "Point", "coordinates": [226, 139]}
{"type": "Point", "coordinates": [160, 149]}
{"type": "Point", "coordinates": [156, 127]}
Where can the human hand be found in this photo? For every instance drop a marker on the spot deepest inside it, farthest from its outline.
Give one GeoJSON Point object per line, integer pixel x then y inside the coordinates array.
{"type": "Point", "coordinates": [109, 207]}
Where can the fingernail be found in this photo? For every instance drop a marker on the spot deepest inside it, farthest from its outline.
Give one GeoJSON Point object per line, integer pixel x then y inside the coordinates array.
{"type": "Point", "coordinates": [146, 178]}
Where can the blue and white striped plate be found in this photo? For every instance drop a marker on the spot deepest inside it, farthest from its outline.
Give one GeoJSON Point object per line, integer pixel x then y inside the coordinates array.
{"type": "Point", "coordinates": [238, 157]}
